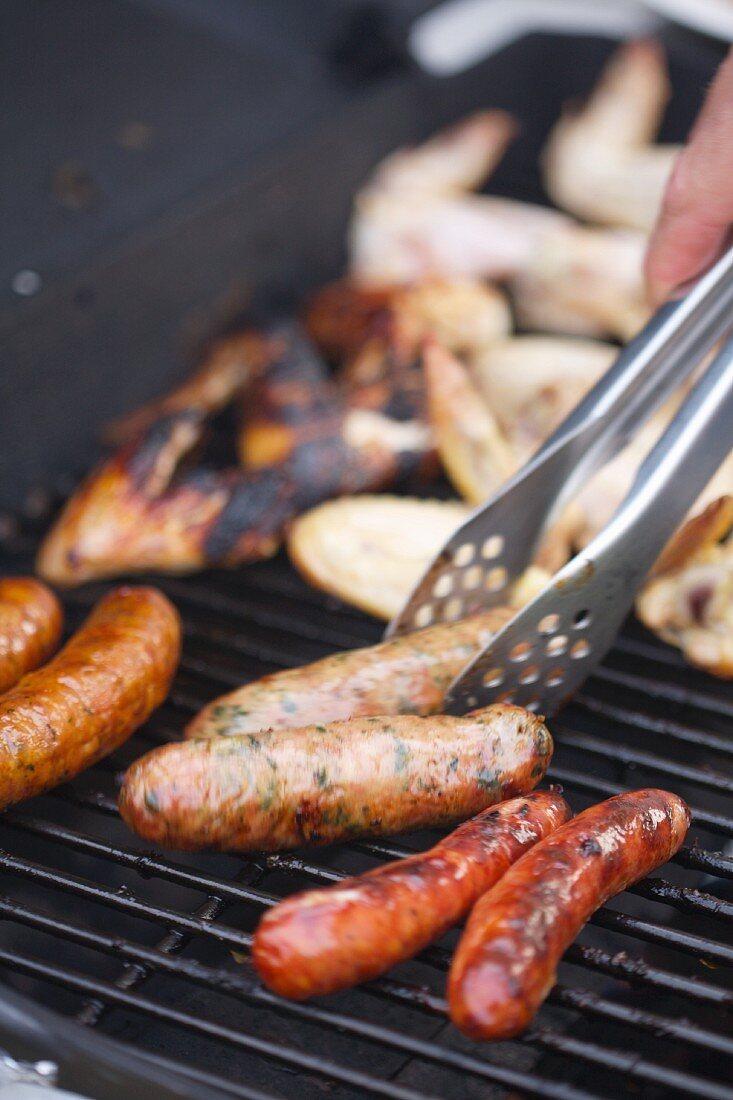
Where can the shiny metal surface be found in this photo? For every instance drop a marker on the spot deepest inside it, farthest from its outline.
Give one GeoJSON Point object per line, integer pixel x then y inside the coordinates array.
{"type": "Point", "coordinates": [496, 544]}
{"type": "Point", "coordinates": [548, 649]}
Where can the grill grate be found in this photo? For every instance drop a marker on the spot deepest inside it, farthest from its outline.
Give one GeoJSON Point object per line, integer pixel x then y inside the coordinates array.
{"type": "Point", "coordinates": [139, 944]}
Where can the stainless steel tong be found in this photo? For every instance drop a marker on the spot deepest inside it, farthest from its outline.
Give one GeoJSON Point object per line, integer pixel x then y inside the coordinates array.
{"type": "Point", "coordinates": [546, 651]}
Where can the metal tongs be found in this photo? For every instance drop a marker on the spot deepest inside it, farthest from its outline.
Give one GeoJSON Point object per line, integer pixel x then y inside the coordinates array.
{"type": "Point", "coordinates": [546, 651]}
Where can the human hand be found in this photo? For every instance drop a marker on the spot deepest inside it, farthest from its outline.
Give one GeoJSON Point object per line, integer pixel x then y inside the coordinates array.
{"type": "Point", "coordinates": [696, 221]}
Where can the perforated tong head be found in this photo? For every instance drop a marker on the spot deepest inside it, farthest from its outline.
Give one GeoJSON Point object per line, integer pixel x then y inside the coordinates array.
{"type": "Point", "coordinates": [547, 649]}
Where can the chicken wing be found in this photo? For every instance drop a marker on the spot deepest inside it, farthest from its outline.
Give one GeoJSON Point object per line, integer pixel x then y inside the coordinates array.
{"type": "Point", "coordinates": [689, 600]}
{"type": "Point", "coordinates": [599, 163]}
{"type": "Point", "coordinates": [142, 511]}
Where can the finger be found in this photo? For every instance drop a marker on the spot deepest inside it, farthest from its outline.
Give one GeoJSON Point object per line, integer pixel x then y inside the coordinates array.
{"type": "Point", "coordinates": [698, 206]}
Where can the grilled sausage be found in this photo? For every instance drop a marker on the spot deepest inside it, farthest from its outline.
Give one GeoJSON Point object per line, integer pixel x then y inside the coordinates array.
{"type": "Point", "coordinates": [321, 941]}
{"type": "Point", "coordinates": [30, 627]}
{"type": "Point", "coordinates": [506, 960]}
{"type": "Point", "coordinates": [408, 675]}
{"type": "Point", "coordinates": [321, 784]}
{"type": "Point", "coordinates": [101, 686]}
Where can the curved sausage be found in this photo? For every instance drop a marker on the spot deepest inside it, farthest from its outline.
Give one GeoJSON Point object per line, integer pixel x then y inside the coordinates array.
{"type": "Point", "coordinates": [321, 941]}
{"type": "Point", "coordinates": [505, 963]}
{"type": "Point", "coordinates": [99, 688]}
{"type": "Point", "coordinates": [30, 627]}
{"type": "Point", "coordinates": [321, 784]}
{"type": "Point", "coordinates": [406, 675]}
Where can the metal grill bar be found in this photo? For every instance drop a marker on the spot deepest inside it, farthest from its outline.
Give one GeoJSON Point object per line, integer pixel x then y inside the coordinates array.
{"type": "Point", "coordinates": [120, 998]}
{"type": "Point", "coordinates": [686, 735]}
{"type": "Point", "coordinates": [652, 688]}
{"type": "Point", "coordinates": [707, 950]}
{"type": "Point", "coordinates": [660, 1025]}
{"type": "Point", "coordinates": [234, 616]}
{"type": "Point", "coordinates": [686, 900]}
{"type": "Point", "coordinates": [603, 788]}
{"type": "Point", "coordinates": [236, 984]}
{"type": "Point", "coordinates": [124, 902]}
{"type": "Point", "coordinates": [625, 755]}
{"type": "Point", "coordinates": [612, 1059]}
{"type": "Point", "coordinates": [639, 972]}
{"type": "Point", "coordinates": [694, 945]}
{"type": "Point", "coordinates": [713, 863]}
{"type": "Point", "coordinates": [147, 865]}
{"type": "Point", "coordinates": [144, 863]}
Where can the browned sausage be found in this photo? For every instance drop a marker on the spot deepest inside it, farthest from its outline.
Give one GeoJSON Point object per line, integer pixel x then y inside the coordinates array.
{"type": "Point", "coordinates": [407, 675]}
{"type": "Point", "coordinates": [505, 963]}
{"type": "Point", "coordinates": [321, 941]}
{"type": "Point", "coordinates": [30, 627]}
{"type": "Point", "coordinates": [101, 686]}
{"type": "Point", "coordinates": [321, 784]}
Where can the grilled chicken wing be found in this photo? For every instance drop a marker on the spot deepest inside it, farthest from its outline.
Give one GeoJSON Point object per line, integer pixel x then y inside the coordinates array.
{"type": "Point", "coordinates": [464, 315]}
{"type": "Point", "coordinates": [410, 224]}
{"type": "Point", "coordinates": [583, 282]}
{"type": "Point", "coordinates": [531, 383]}
{"type": "Point", "coordinates": [457, 159]}
{"type": "Point", "coordinates": [141, 511]}
{"type": "Point", "coordinates": [230, 365]}
{"type": "Point", "coordinates": [490, 419]}
{"type": "Point", "coordinates": [689, 600]}
{"type": "Point", "coordinates": [599, 163]}
{"type": "Point", "coordinates": [415, 217]}
{"type": "Point", "coordinates": [399, 238]}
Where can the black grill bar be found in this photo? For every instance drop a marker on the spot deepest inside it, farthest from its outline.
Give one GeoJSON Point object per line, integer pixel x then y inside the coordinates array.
{"type": "Point", "coordinates": [603, 788]}
{"type": "Point", "coordinates": [610, 1058]}
{"type": "Point", "coordinates": [686, 1032]}
{"type": "Point", "coordinates": [125, 902]}
{"type": "Point", "coordinates": [134, 974]}
{"type": "Point", "coordinates": [120, 998]}
{"type": "Point", "coordinates": [265, 619]}
{"type": "Point", "coordinates": [699, 859]}
{"type": "Point", "coordinates": [624, 755]}
{"type": "Point", "coordinates": [665, 691]}
{"type": "Point", "coordinates": [622, 923]}
{"type": "Point", "coordinates": [639, 972]}
{"type": "Point", "coordinates": [712, 863]}
{"type": "Point", "coordinates": [145, 864]}
{"type": "Point", "coordinates": [235, 984]}
{"type": "Point", "coordinates": [684, 899]}
{"type": "Point", "coordinates": [187, 924]}
{"type": "Point", "coordinates": [238, 985]}
{"type": "Point", "coordinates": [680, 897]}
{"type": "Point", "coordinates": [691, 944]}
{"type": "Point", "coordinates": [699, 947]}
{"type": "Point", "coordinates": [636, 721]}
{"type": "Point", "coordinates": [632, 1064]}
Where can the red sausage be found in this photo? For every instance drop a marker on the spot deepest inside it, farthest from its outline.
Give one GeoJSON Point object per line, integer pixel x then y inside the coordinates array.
{"type": "Point", "coordinates": [100, 687]}
{"type": "Point", "coordinates": [505, 963]}
{"type": "Point", "coordinates": [321, 941]}
{"type": "Point", "coordinates": [30, 627]}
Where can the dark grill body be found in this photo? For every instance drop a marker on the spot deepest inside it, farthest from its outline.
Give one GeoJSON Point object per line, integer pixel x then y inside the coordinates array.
{"type": "Point", "coordinates": [136, 945]}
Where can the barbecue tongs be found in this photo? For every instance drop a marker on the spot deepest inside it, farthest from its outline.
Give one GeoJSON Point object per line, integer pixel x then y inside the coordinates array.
{"type": "Point", "coordinates": [546, 651]}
